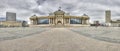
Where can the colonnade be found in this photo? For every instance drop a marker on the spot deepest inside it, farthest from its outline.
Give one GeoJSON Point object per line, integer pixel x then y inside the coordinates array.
{"type": "Point", "coordinates": [65, 21]}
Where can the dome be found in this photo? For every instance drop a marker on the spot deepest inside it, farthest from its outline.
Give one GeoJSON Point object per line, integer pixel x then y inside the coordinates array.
{"type": "Point", "coordinates": [85, 16]}
{"type": "Point", "coordinates": [33, 17]}
{"type": "Point", "coordinates": [59, 12]}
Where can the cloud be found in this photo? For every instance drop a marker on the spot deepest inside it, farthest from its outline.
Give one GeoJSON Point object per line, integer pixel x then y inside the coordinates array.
{"type": "Point", "coordinates": [39, 2]}
{"type": "Point", "coordinates": [94, 8]}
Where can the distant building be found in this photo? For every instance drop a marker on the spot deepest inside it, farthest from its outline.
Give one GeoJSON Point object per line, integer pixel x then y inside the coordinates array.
{"type": "Point", "coordinates": [96, 22]}
{"type": "Point", "coordinates": [115, 23]}
{"type": "Point", "coordinates": [108, 20]}
{"type": "Point", "coordinates": [10, 16]}
{"type": "Point", "coordinates": [2, 19]}
{"type": "Point", "coordinates": [11, 24]}
{"type": "Point", "coordinates": [60, 18]}
{"type": "Point", "coordinates": [11, 21]}
{"type": "Point", "coordinates": [108, 16]}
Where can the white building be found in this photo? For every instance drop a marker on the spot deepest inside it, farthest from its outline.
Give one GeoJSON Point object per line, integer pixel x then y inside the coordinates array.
{"type": "Point", "coordinates": [108, 20]}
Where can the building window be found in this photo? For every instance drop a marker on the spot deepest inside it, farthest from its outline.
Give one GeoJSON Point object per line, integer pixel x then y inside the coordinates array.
{"type": "Point", "coordinates": [43, 21]}
{"type": "Point", "coordinates": [75, 21]}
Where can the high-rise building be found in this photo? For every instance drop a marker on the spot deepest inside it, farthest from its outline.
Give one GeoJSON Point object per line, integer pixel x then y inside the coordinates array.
{"type": "Point", "coordinates": [11, 21]}
{"type": "Point", "coordinates": [108, 16]}
{"type": "Point", "coordinates": [108, 20]}
{"type": "Point", "coordinates": [10, 16]}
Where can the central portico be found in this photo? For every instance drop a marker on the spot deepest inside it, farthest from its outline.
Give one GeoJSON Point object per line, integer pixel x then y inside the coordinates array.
{"type": "Point", "coordinates": [59, 17]}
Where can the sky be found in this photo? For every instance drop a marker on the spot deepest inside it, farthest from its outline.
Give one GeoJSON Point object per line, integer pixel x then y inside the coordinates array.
{"type": "Point", "coordinates": [95, 9]}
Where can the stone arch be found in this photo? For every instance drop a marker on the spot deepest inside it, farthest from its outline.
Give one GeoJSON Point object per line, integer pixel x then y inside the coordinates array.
{"type": "Point", "coordinates": [59, 22]}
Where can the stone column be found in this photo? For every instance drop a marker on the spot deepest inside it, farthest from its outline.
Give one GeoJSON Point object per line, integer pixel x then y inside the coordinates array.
{"type": "Point", "coordinates": [56, 21]}
{"type": "Point", "coordinates": [52, 21]}
{"type": "Point", "coordinates": [87, 21]}
{"type": "Point", "coordinates": [36, 21]}
{"type": "Point", "coordinates": [64, 21]}
{"type": "Point", "coordinates": [31, 21]}
{"type": "Point", "coordinates": [69, 20]}
{"type": "Point", "coordinates": [49, 20]}
{"type": "Point", "coordinates": [82, 21]}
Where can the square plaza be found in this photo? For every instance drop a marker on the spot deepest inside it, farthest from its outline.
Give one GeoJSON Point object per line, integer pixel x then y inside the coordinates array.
{"type": "Point", "coordinates": [60, 39]}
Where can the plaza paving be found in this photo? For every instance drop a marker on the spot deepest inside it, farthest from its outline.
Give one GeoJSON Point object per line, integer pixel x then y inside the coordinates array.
{"type": "Point", "coordinates": [109, 34]}
{"type": "Point", "coordinates": [14, 33]}
{"type": "Point", "coordinates": [60, 39]}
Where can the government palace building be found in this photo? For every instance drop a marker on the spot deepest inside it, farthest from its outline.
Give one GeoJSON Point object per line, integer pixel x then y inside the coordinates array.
{"type": "Point", "coordinates": [60, 18]}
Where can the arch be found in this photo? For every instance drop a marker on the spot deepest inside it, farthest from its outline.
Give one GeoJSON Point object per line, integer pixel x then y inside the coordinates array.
{"type": "Point", "coordinates": [59, 22]}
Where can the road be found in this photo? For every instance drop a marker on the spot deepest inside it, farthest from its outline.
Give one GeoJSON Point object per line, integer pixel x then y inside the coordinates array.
{"type": "Point", "coordinates": [57, 39]}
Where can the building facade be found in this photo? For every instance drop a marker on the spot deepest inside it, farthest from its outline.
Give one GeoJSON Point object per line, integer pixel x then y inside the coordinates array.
{"type": "Point", "coordinates": [60, 18]}
{"type": "Point", "coordinates": [110, 22]}
{"type": "Point", "coordinates": [11, 21]}
{"type": "Point", "coordinates": [10, 16]}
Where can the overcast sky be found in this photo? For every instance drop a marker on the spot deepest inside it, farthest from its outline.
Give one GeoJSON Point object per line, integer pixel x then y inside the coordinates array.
{"type": "Point", "coordinates": [95, 9]}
